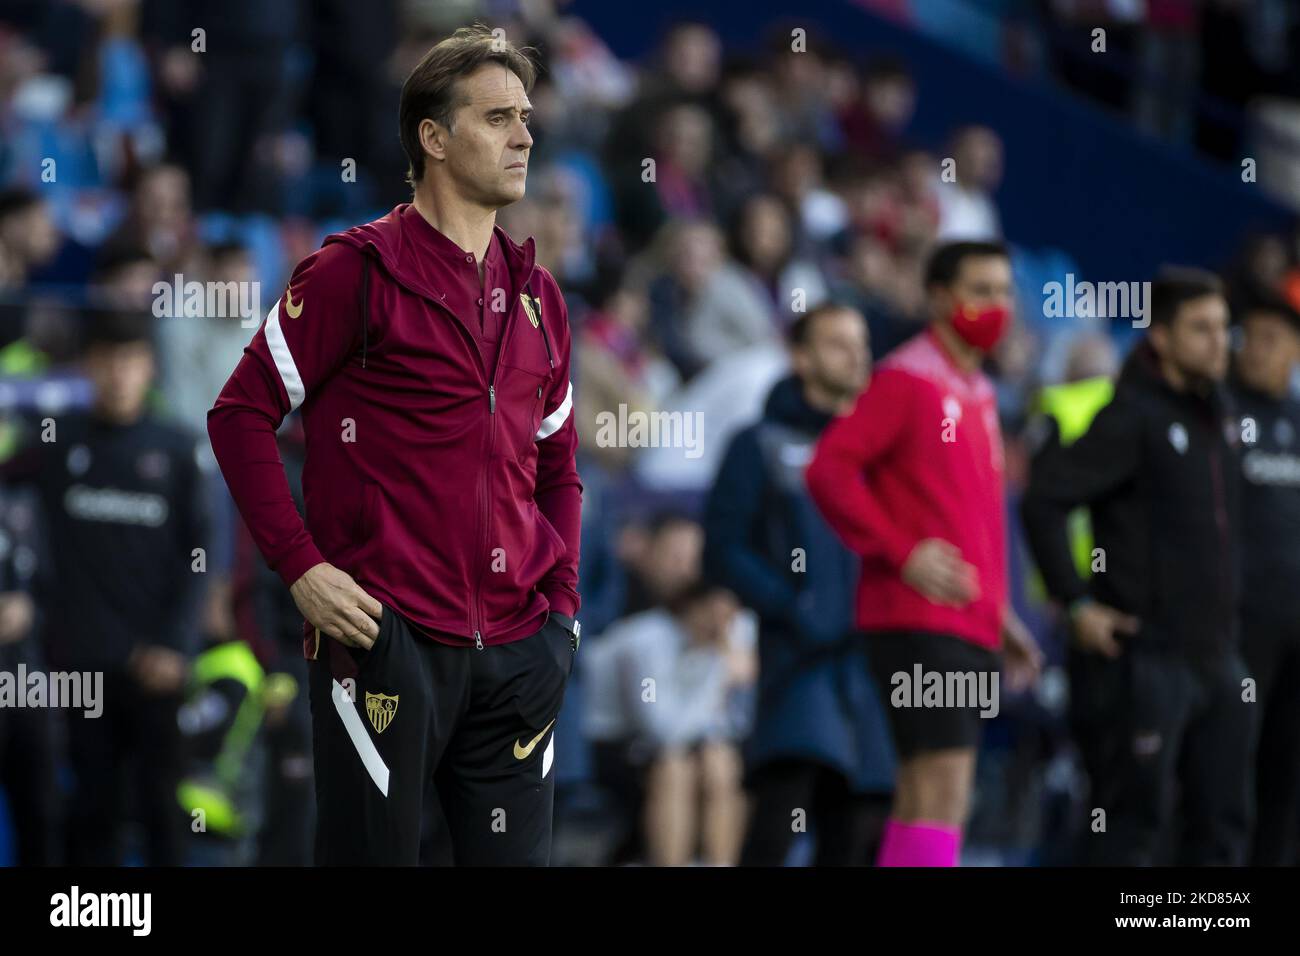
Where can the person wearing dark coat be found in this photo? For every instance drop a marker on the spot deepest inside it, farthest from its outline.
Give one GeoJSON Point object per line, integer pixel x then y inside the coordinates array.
{"type": "Point", "coordinates": [819, 758]}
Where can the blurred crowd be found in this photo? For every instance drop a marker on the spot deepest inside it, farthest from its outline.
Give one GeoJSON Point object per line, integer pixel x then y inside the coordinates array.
{"type": "Point", "coordinates": [1220, 75]}
{"type": "Point", "coordinates": [692, 206]}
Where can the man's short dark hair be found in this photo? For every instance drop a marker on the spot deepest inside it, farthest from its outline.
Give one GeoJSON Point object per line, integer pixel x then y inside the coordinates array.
{"type": "Point", "coordinates": [431, 91]}
{"type": "Point", "coordinates": [17, 199]}
{"type": "Point", "coordinates": [106, 327]}
{"type": "Point", "coordinates": [115, 256]}
{"type": "Point", "coordinates": [1175, 285]}
{"type": "Point", "coordinates": [945, 262]}
{"type": "Point", "coordinates": [227, 248]}
{"type": "Point", "coordinates": [1265, 302]}
{"type": "Point", "coordinates": [666, 518]}
{"type": "Point", "coordinates": [800, 331]}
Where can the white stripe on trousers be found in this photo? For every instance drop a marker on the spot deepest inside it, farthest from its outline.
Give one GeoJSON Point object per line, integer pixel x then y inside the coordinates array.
{"type": "Point", "coordinates": [374, 763]}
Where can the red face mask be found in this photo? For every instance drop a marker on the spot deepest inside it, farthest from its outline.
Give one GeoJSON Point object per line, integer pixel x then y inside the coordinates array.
{"type": "Point", "coordinates": [981, 328]}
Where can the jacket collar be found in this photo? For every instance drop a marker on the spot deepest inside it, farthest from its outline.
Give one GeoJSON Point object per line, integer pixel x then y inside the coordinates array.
{"type": "Point", "coordinates": [390, 240]}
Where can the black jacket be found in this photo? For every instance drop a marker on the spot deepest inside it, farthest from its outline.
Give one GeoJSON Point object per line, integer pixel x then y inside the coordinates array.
{"type": "Point", "coordinates": [1270, 502]}
{"type": "Point", "coordinates": [766, 540]}
{"type": "Point", "coordinates": [124, 510]}
{"type": "Point", "coordinates": [1158, 470]}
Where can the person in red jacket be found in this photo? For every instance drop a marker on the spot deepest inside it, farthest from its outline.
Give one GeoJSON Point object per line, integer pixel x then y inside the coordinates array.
{"type": "Point", "coordinates": [437, 567]}
{"type": "Point", "coordinates": [911, 479]}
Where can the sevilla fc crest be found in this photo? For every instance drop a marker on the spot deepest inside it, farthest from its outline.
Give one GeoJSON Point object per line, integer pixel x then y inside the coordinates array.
{"type": "Point", "coordinates": [381, 709]}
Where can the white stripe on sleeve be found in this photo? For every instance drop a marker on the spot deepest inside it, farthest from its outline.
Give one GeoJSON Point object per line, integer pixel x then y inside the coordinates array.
{"type": "Point", "coordinates": [552, 422]}
{"type": "Point", "coordinates": [283, 358]}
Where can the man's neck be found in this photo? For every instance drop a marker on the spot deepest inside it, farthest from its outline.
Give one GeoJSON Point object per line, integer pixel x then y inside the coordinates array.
{"type": "Point", "coordinates": [965, 357]}
{"type": "Point", "coordinates": [465, 224]}
{"type": "Point", "coordinates": [1173, 376]}
{"type": "Point", "coordinates": [115, 419]}
{"type": "Point", "coordinates": [1182, 382]}
{"type": "Point", "coordinates": [824, 400]}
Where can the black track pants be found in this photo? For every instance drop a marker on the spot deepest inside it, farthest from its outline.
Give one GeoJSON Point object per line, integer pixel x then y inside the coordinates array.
{"type": "Point", "coordinates": [477, 724]}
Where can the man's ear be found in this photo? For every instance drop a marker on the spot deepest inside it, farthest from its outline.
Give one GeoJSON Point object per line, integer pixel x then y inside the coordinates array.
{"type": "Point", "coordinates": [433, 139]}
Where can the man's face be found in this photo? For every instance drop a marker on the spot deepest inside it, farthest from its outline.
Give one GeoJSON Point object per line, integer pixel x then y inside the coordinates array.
{"type": "Point", "coordinates": [164, 198]}
{"type": "Point", "coordinates": [711, 618]}
{"type": "Point", "coordinates": [121, 375]}
{"type": "Point", "coordinates": [32, 234]}
{"type": "Point", "coordinates": [1270, 349]}
{"type": "Point", "coordinates": [982, 282]}
{"type": "Point", "coordinates": [673, 558]}
{"type": "Point", "coordinates": [486, 151]}
{"type": "Point", "coordinates": [1196, 340]}
{"type": "Point", "coordinates": [891, 101]}
{"type": "Point", "coordinates": [836, 356]}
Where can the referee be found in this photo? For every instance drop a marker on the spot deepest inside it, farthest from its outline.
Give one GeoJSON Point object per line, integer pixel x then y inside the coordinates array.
{"type": "Point", "coordinates": [437, 567]}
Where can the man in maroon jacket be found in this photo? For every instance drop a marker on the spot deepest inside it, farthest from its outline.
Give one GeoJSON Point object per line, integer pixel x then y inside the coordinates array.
{"type": "Point", "coordinates": [437, 568]}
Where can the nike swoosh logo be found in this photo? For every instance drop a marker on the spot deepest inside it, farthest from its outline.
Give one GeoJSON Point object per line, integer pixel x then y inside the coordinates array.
{"type": "Point", "coordinates": [291, 310]}
{"type": "Point", "coordinates": [521, 753]}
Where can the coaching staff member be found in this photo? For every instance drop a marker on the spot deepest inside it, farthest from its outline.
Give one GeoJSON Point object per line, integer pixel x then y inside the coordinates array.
{"type": "Point", "coordinates": [437, 568]}
{"type": "Point", "coordinates": [1156, 680]}
{"type": "Point", "coordinates": [1269, 412]}
{"type": "Point", "coordinates": [912, 480]}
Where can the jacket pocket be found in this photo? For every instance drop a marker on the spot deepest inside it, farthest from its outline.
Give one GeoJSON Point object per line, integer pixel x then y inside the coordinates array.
{"type": "Point", "coordinates": [521, 402]}
{"type": "Point", "coordinates": [365, 659]}
{"type": "Point", "coordinates": [557, 540]}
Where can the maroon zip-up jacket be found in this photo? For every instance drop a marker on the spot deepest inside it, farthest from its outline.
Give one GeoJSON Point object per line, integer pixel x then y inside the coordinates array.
{"type": "Point", "coordinates": [445, 487]}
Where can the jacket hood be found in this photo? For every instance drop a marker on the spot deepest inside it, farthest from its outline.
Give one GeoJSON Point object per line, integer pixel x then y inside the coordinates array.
{"type": "Point", "coordinates": [1142, 366]}
{"type": "Point", "coordinates": [1141, 371]}
{"type": "Point", "coordinates": [389, 240]}
{"type": "Point", "coordinates": [786, 405]}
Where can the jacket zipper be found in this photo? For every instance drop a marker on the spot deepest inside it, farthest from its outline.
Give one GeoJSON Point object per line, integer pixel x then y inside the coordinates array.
{"type": "Point", "coordinates": [485, 485]}
{"type": "Point", "coordinates": [487, 506]}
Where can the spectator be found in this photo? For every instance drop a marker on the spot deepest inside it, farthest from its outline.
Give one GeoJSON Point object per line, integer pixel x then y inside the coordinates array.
{"type": "Point", "coordinates": [662, 719]}
{"type": "Point", "coordinates": [873, 124]}
{"type": "Point", "coordinates": [197, 351]}
{"type": "Point", "coordinates": [966, 207]}
{"type": "Point", "coordinates": [28, 234]}
{"type": "Point", "coordinates": [889, 296]}
{"type": "Point", "coordinates": [160, 220]}
{"type": "Point", "coordinates": [702, 304]}
{"type": "Point", "coordinates": [763, 242]}
{"type": "Point", "coordinates": [617, 366]}
{"type": "Point", "coordinates": [664, 559]}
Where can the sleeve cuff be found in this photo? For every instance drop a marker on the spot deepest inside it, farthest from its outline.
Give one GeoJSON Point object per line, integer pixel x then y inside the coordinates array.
{"type": "Point", "coordinates": [561, 601]}
{"type": "Point", "coordinates": [298, 562]}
